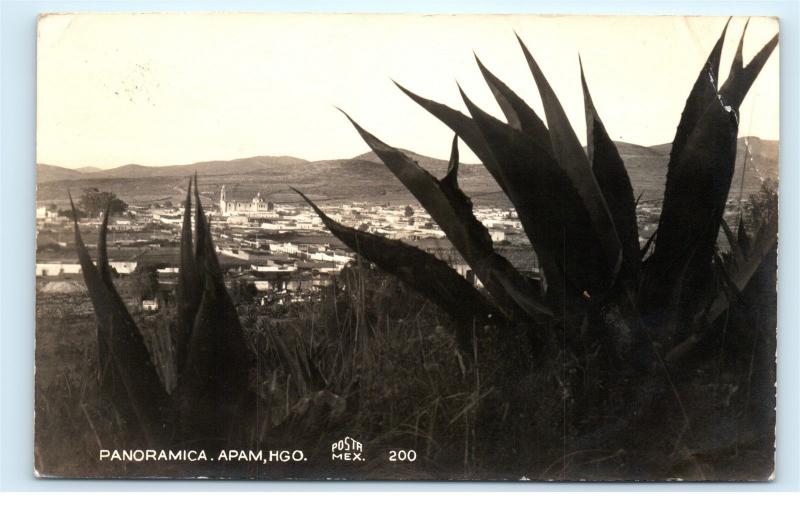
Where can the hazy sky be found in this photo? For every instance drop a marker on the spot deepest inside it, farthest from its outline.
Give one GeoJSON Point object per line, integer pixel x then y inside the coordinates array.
{"type": "Point", "coordinates": [180, 88]}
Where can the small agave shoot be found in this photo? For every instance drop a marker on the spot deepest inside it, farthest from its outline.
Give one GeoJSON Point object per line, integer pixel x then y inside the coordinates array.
{"type": "Point", "coordinates": [644, 317]}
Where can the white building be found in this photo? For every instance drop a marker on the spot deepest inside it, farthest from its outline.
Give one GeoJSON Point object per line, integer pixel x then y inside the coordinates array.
{"type": "Point", "coordinates": [57, 268]}
{"type": "Point", "coordinates": [255, 207]}
{"type": "Point", "coordinates": [123, 267]}
{"type": "Point", "coordinates": [43, 213]}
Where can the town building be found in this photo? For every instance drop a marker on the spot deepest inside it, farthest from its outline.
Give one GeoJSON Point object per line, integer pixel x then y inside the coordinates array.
{"type": "Point", "coordinates": [256, 207]}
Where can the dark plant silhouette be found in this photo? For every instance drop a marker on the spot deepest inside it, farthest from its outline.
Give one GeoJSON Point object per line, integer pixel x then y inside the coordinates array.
{"type": "Point", "coordinates": [632, 320]}
{"type": "Point", "coordinates": [213, 397]}
{"type": "Point", "coordinates": [578, 210]}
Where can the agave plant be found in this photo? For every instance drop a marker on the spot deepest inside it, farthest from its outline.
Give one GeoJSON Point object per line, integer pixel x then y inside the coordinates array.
{"type": "Point", "coordinates": [646, 308]}
{"type": "Point", "coordinates": [578, 210]}
{"type": "Point", "coordinates": [213, 398]}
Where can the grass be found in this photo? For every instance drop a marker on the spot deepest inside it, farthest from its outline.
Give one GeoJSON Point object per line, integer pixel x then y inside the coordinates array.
{"type": "Point", "coordinates": [393, 365]}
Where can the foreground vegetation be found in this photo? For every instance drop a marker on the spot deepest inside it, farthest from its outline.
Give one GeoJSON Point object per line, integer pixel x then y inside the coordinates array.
{"type": "Point", "coordinates": [373, 360]}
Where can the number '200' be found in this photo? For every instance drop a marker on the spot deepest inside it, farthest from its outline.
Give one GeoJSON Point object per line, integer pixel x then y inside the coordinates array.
{"type": "Point", "coordinates": [403, 455]}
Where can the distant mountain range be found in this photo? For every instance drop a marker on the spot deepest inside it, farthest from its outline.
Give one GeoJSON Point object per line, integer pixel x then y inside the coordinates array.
{"type": "Point", "coordinates": [133, 171]}
{"type": "Point", "coordinates": [363, 177]}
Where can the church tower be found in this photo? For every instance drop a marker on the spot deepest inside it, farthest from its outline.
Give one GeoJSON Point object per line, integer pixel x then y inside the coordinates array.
{"type": "Point", "coordinates": [222, 202]}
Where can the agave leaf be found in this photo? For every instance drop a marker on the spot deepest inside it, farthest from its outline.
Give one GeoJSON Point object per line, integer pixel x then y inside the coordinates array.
{"type": "Point", "coordinates": [476, 242]}
{"type": "Point", "coordinates": [468, 131]}
{"type": "Point", "coordinates": [694, 200]}
{"type": "Point", "coordinates": [102, 250]}
{"type": "Point", "coordinates": [757, 252]}
{"type": "Point", "coordinates": [423, 272]}
{"type": "Point", "coordinates": [129, 358]}
{"type": "Point", "coordinates": [647, 245]}
{"type": "Point", "coordinates": [615, 185]}
{"type": "Point", "coordinates": [550, 209]}
{"type": "Point", "coordinates": [465, 128]}
{"type": "Point", "coordinates": [742, 239]}
{"type": "Point", "coordinates": [729, 288]}
{"type": "Point", "coordinates": [214, 395]}
{"type": "Point", "coordinates": [638, 199]}
{"type": "Point", "coordinates": [703, 92]}
{"type": "Point", "coordinates": [524, 296]}
{"type": "Point", "coordinates": [738, 84]}
{"type": "Point", "coordinates": [571, 158]}
{"type": "Point", "coordinates": [518, 114]}
{"type": "Point", "coordinates": [105, 275]}
{"type": "Point", "coordinates": [760, 246]}
{"type": "Point", "coordinates": [736, 251]}
{"type": "Point", "coordinates": [498, 271]}
{"type": "Point", "coordinates": [737, 65]}
{"type": "Point", "coordinates": [450, 180]}
{"type": "Point", "coordinates": [452, 211]}
{"type": "Point", "coordinates": [737, 279]}
{"type": "Point", "coordinates": [189, 288]}
{"type": "Point", "coordinates": [200, 228]}
{"type": "Point", "coordinates": [698, 182]}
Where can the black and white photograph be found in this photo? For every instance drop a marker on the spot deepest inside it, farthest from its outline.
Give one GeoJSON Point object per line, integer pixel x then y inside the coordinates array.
{"type": "Point", "coordinates": [405, 247]}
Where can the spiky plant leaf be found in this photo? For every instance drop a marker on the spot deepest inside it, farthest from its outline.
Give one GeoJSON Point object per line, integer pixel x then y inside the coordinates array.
{"type": "Point", "coordinates": [102, 249]}
{"type": "Point", "coordinates": [128, 356]}
{"type": "Point", "coordinates": [200, 229]}
{"type": "Point", "coordinates": [703, 92]}
{"type": "Point", "coordinates": [188, 292]}
{"type": "Point", "coordinates": [723, 273]}
{"type": "Point", "coordinates": [465, 128]}
{"type": "Point", "coordinates": [421, 271]}
{"type": "Point", "coordinates": [698, 182]}
{"type": "Point", "coordinates": [214, 394]}
{"type": "Point", "coordinates": [738, 84]}
{"type": "Point", "coordinates": [765, 239]}
{"type": "Point", "coordinates": [500, 270]}
{"type": "Point", "coordinates": [735, 249]}
{"type": "Point", "coordinates": [571, 158]}
{"type": "Point", "coordinates": [452, 211]}
{"type": "Point", "coordinates": [615, 185]}
{"type": "Point", "coordinates": [104, 269]}
{"type": "Point", "coordinates": [742, 239]}
{"type": "Point", "coordinates": [549, 208]}
{"type": "Point", "coordinates": [470, 133]}
{"type": "Point", "coordinates": [737, 65]}
{"type": "Point", "coordinates": [694, 200]}
{"type": "Point", "coordinates": [646, 248]}
{"type": "Point", "coordinates": [737, 278]}
{"type": "Point", "coordinates": [518, 114]}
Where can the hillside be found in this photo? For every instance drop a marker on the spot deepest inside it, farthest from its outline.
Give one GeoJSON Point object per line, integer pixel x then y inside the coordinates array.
{"type": "Point", "coordinates": [134, 171]}
{"type": "Point", "coordinates": [436, 166]}
{"type": "Point", "coordinates": [363, 177]}
{"type": "Point", "coordinates": [45, 173]}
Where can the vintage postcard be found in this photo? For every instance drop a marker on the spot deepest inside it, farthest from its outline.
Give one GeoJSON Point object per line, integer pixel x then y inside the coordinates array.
{"type": "Point", "coordinates": [406, 247]}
